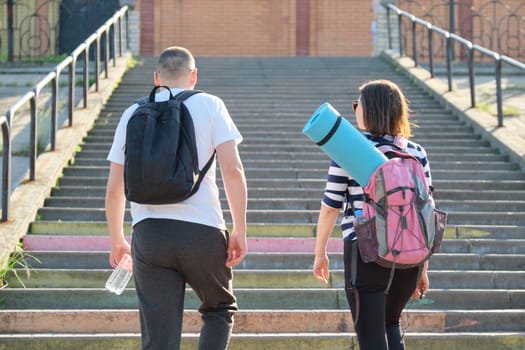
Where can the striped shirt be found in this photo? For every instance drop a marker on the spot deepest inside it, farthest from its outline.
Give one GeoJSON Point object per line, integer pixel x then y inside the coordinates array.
{"type": "Point", "coordinates": [342, 188]}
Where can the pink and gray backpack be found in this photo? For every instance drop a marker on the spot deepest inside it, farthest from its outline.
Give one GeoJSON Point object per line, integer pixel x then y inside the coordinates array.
{"type": "Point", "coordinates": [403, 228]}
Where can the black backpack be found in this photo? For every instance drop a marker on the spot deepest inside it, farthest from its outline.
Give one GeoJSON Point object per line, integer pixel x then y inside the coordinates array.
{"type": "Point", "coordinates": [161, 164]}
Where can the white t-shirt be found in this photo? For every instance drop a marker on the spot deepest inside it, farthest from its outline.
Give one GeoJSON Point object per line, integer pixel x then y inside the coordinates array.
{"type": "Point", "coordinates": [213, 126]}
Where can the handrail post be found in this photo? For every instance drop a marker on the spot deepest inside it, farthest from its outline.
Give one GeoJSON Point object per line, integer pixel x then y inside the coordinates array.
{"type": "Point", "coordinates": [449, 61]}
{"type": "Point", "coordinates": [471, 77]}
{"type": "Point", "coordinates": [85, 72]}
{"type": "Point", "coordinates": [33, 135]}
{"type": "Point", "coordinates": [120, 36]}
{"type": "Point", "coordinates": [106, 56]}
{"type": "Point", "coordinates": [71, 92]}
{"type": "Point", "coordinates": [6, 168]}
{"type": "Point", "coordinates": [499, 96]}
{"type": "Point", "coordinates": [127, 29]}
{"type": "Point", "coordinates": [54, 110]}
{"type": "Point", "coordinates": [430, 50]}
{"type": "Point", "coordinates": [389, 27]}
{"type": "Point", "coordinates": [113, 46]}
{"type": "Point", "coordinates": [414, 41]}
{"type": "Point", "coordinates": [97, 62]}
{"type": "Point", "coordinates": [399, 30]}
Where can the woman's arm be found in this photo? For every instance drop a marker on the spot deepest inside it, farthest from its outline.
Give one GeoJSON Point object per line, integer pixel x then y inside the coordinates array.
{"type": "Point", "coordinates": [325, 225]}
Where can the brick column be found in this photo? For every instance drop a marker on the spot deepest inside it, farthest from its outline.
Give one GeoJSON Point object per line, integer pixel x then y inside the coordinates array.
{"type": "Point", "coordinates": [302, 28]}
{"type": "Point", "coordinates": [465, 24]}
{"type": "Point", "coordinates": [147, 28]}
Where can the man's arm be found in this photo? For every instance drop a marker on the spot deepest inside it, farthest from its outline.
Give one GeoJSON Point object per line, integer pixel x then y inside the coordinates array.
{"type": "Point", "coordinates": [232, 173]}
{"type": "Point", "coordinates": [115, 209]}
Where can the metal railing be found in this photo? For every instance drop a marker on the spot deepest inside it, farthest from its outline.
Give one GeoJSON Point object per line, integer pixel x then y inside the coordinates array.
{"type": "Point", "coordinates": [451, 40]}
{"type": "Point", "coordinates": [32, 97]}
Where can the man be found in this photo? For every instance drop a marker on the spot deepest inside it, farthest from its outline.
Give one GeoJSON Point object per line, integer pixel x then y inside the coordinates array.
{"type": "Point", "coordinates": [186, 242]}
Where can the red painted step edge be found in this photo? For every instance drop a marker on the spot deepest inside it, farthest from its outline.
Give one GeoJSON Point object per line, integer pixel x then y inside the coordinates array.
{"type": "Point", "coordinates": [98, 243]}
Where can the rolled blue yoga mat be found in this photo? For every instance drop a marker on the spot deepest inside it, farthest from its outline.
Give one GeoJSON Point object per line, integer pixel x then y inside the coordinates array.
{"type": "Point", "coordinates": [343, 143]}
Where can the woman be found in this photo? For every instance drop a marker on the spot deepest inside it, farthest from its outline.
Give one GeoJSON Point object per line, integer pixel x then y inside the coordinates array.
{"type": "Point", "coordinates": [382, 113]}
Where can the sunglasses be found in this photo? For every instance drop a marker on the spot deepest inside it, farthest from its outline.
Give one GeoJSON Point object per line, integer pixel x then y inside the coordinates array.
{"type": "Point", "coordinates": [354, 105]}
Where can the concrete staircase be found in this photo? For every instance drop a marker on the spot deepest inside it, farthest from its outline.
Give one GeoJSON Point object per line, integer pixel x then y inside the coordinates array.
{"type": "Point", "coordinates": [477, 296]}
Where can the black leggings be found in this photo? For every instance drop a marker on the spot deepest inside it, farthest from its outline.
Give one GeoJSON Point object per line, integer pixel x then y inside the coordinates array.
{"type": "Point", "coordinates": [377, 325]}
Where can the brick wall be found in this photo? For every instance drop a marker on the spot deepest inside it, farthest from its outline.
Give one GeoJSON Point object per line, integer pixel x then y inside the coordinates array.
{"type": "Point", "coordinates": [257, 27]}
{"type": "Point", "coordinates": [291, 27]}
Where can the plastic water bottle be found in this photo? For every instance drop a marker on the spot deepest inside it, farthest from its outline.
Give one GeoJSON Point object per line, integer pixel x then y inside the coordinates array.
{"type": "Point", "coordinates": [359, 218]}
{"type": "Point", "coordinates": [120, 277]}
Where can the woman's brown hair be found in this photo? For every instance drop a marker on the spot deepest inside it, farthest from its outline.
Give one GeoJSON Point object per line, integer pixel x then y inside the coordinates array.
{"type": "Point", "coordinates": [385, 109]}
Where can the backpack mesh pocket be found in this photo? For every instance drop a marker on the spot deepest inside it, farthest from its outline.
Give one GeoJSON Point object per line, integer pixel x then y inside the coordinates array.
{"type": "Point", "coordinates": [441, 221]}
{"type": "Point", "coordinates": [367, 240]}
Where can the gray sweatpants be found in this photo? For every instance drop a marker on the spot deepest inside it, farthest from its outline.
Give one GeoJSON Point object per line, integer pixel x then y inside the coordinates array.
{"type": "Point", "coordinates": [167, 254]}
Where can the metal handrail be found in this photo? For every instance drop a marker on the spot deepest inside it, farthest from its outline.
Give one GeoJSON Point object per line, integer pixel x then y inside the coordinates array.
{"type": "Point", "coordinates": [451, 39]}
{"type": "Point", "coordinates": [32, 97]}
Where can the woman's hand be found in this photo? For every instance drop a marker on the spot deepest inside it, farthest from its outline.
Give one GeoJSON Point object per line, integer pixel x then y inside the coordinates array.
{"type": "Point", "coordinates": [320, 269]}
{"type": "Point", "coordinates": [422, 286]}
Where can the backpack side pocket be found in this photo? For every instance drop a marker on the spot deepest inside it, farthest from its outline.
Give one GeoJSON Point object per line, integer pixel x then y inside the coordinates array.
{"type": "Point", "coordinates": [367, 240]}
{"type": "Point", "coordinates": [440, 222]}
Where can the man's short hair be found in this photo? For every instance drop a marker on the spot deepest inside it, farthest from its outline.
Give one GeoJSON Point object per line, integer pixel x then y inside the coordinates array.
{"type": "Point", "coordinates": [175, 62]}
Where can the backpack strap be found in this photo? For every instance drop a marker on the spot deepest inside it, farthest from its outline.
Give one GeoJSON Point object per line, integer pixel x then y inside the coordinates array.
{"type": "Point", "coordinates": [353, 278]}
{"type": "Point", "coordinates": [142, 101]}
{"type": "Point", "coordinates": [202, 173]}
{"type": "Point", "coordinates": [181, 96]}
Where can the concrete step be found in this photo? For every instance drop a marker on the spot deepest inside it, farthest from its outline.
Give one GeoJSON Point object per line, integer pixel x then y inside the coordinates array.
{"type": "Point", "coordinates": [258, 298]}
{"type": "Point", "coordinates": [458, 147]}
{"type": "Point", "coordinates": [81, 241]}
{"type": "Point", "coordinates": [274, 341]}
{"type": "Point", "coordinates": [452, 146]}
{"type": "Point", "coordinates": [256, 321]}
{"type": "Point", "coordinates": [271, 141]}
{"type": "Point", "coordinates": [291, 216]}
{"type": "Point", "coordinates": [293, 191]}
{"type": "Point", "coordinates": [458, 254]}
{"type": "Point", "coordinates": [277, 154]}
{"type": "Point", "coordinates": [322, 163]}
{"type": "Point", "coordinates": [261, 153]}
{"type": "Point", "coordinates": [289, 278]}
{"type": "Point", "coordinates": [303, 189]}
{"type": "Point", "coordinates": [109, 118]}
{"type": "Point", "coordinates": [291, 203]}
{"type": "Point", "coordinates": [292, 134]}
{"type": "Point", "coordinates": [313, 188]}
{"type": "Point", "coordinates": [306, 173]}
{"type": "Point", "coordinates": [515, 205]}
{"type": "Point", "coordinates": [258, 204]}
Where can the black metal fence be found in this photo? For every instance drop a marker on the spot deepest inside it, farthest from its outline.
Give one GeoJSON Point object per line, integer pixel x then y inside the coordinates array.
{"type": "Point", "coordinates": [419, 28]}
{"type": "Point", "coordinates": [32, 30]}
{"type": "Point", "coordinates": [112, 28]}
{"type": "Point", "coordinates": [498, 25]}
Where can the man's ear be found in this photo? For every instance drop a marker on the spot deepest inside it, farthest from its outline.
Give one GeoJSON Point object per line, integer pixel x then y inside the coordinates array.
{"type": "Point", "coordinates": [193, 77]}
{"type": "Point", "coordinates": [156, 78]}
